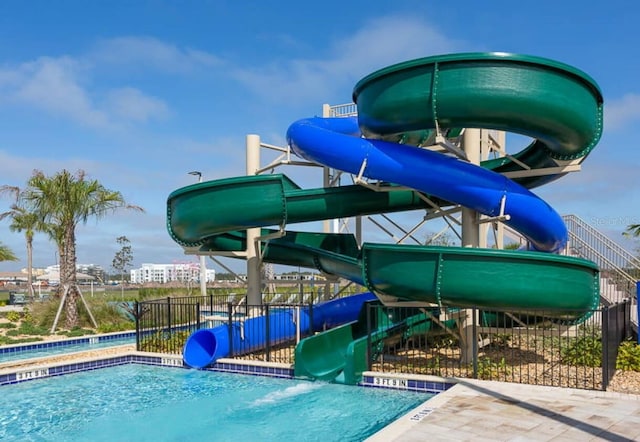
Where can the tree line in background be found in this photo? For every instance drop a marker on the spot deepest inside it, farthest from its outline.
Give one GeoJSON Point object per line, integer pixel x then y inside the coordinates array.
{"type": "Point", "coordinates": [55, 205]}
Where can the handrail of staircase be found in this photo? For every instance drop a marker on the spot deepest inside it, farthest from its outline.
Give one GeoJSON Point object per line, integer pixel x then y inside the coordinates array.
{"type": "Point", "coordinates": [633, 261]}
{"type": "Point", "coordinates": [602, 260]}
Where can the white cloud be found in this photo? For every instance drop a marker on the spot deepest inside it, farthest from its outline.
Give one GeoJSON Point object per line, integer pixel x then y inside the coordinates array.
{"type": "Point", "coordinates": [132, 105]}
{"type": "Point", "coordinates": [622, 112]}
{"type": "Point", "coordinates": [150, 52]}
{"type": "Point", "coordinates": [377, 44]}
{"type": "Point", "coordinates": [53, 85]}
{"type": "Point", "coordinates": [62, 87]}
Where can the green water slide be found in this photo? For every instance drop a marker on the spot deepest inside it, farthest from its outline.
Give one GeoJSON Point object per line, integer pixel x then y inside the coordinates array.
{"type": "Point", "coordinates": [401, 109]}
{"type": "Point", "coordinates": [558, 106]}
{"type": "Point", "coordinates": [340, 354]}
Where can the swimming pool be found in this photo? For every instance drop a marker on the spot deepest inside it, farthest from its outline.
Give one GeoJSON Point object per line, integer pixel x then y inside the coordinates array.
{"type": "Point", "coordinates": [149, 403]}
{"type": "Point", "coordinates": [52, 348]}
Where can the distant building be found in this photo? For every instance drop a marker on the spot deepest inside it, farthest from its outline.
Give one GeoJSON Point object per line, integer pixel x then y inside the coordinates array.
{"type": "Point", "coordinates": [94, 270]}
{"type": "Point", "coordinates": [163, 273]}
{"type": "Point", "coordinates": [299, 277]}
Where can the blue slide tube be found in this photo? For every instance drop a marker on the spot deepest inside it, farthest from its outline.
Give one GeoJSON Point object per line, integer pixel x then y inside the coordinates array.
{"type": "Point", "coordinates": [204, 347]}
{"type": "Point", "coordinates": [336, 143]}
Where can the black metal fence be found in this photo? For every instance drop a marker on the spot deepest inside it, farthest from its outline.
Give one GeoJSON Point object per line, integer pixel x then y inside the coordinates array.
{"type": "Point", "coordinates": [536, 347]}
{"type": "Point", "coordinates": [163, 325]}
{"type": "Point", "coordinates": [533, 348]}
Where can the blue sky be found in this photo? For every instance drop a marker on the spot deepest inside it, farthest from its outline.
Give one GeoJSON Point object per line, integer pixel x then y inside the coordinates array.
{"type": "Point", "coordinates": [137, 94]}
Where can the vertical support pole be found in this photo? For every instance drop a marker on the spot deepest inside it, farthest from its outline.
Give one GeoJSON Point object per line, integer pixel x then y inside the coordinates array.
{"type": "Point", "coordinates": [638, 309]}
{"type": "Point", "coordinates": [326, 172]}
{"type": "Point", "coordinates": [203, 276]}
{"type": "Point", "coordinates": [254, 297]}
{"type": "Point", "coordinates": [470, 238]}
{"type": "Point", "coordinates": [470, 226]}
{"type": "Point", "coordinates": [483, 154]}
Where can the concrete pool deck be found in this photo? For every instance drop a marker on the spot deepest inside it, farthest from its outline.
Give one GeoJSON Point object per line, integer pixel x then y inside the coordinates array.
{"type": "Point", "coordinates": [497, 411]}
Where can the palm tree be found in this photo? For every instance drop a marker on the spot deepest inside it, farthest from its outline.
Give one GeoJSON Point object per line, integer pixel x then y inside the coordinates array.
{"type": "Point", "coordinates": [6, 254]}
{"type": "Point", "coordinates": [632, 230]}
{"type": "Point", "coordinates": [65, 200]}
{"type": "Point", "coordinates": [22, 220]}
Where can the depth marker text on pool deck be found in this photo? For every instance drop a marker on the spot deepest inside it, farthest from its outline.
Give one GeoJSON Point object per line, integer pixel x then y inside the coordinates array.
{"type": "Point", "coordinates": [390, 382]}
{"type": "Point", "coordinates": [32, 374]}
{"type": "Point", "coordinates": [424, 412]}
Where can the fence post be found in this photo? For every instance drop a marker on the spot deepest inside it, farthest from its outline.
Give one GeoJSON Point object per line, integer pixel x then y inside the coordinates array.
{"type": "Point", "coordinates": [627, 318]}
{"type": "Point", "coordinates": [369, 361]}
{"type": "Point", "coordinates": [474, 332]}
{"type": "Point", "coordinates": [638, 309]}
{"type": "Point", "coordinates": [137, 310]}
{"type": "Point", "coordinates": [605, 347]}
{"type": "Point", "coordinates": [230, 327]}
{"type": "Point", "coordinates": [267, 331]}
{"type": "Point", "coordinates": [169, 313]}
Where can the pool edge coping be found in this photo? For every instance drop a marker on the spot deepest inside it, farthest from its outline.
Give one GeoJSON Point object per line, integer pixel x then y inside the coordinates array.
{"type": "Point", "coordinates": [43, 368]}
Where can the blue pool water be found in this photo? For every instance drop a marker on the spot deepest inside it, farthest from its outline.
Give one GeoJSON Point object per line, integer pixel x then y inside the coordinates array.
{"type": "Point", "coordinates": [149, 403]}
{"type": "Point", "coordinates": [29, 351]}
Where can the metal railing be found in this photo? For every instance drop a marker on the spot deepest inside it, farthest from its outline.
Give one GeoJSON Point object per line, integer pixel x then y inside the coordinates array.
{"type": "Point", "coordinates": [343, 110]}
{"type": "Point", "coordinates": [533, 348]}
{"type": "Point", "coordinates": [619, 269]}
{"type": "Point", "coordinates": [163, 325]}
{"type": "Point", "coordinates": [606, 252]}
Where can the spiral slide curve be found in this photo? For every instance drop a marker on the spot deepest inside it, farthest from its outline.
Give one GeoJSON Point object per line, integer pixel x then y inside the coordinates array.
{"type": "Point", "coordinates": [557, 105]}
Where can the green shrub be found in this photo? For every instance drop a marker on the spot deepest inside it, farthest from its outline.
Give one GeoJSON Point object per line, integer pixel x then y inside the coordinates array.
{"type": "Point", "coordinates": [161, 342]}
{"type": "Point", "coordinates": [488, 369]}
{"type": "Point", "coordinates": [585, 351]}
{"type": "Point", "coordinates": [14, 316]}
{"type": "Point", "coordinates": [7, 325]}
{"type": "Point", "coordinates": [628, 356]}
{"type": "Point", "coordinates": [6, 340]}
{"type": "Point", "coordinates": [29, 328]}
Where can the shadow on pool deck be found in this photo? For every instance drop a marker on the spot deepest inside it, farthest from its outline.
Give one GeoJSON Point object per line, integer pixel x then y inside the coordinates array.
{"type": "Point", "coordinates": [487, 410]}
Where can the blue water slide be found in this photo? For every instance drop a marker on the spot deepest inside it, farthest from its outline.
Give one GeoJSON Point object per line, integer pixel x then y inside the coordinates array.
{"type": "Point", "coordinates": [337, 143]}
{"type": "Point", "coordinates": [204, 347]}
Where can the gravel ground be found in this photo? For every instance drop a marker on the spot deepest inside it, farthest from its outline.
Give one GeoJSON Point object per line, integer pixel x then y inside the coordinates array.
{"type": "Point", "coordinates": [625, 382]}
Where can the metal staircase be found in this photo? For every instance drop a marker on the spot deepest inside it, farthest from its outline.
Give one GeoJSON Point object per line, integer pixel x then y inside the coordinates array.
{"type": "Point", "coordinates": [619, 269]}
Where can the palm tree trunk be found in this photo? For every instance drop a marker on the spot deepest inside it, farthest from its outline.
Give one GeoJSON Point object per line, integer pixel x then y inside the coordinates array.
{"type": "Point", "coordinates": [70, 279]}
{"type": "Point", "coordinates": [30, 265]}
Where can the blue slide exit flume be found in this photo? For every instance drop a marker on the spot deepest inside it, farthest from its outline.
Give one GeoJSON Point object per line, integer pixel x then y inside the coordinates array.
{"type": "Point", "coordinates": [204, 347]}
